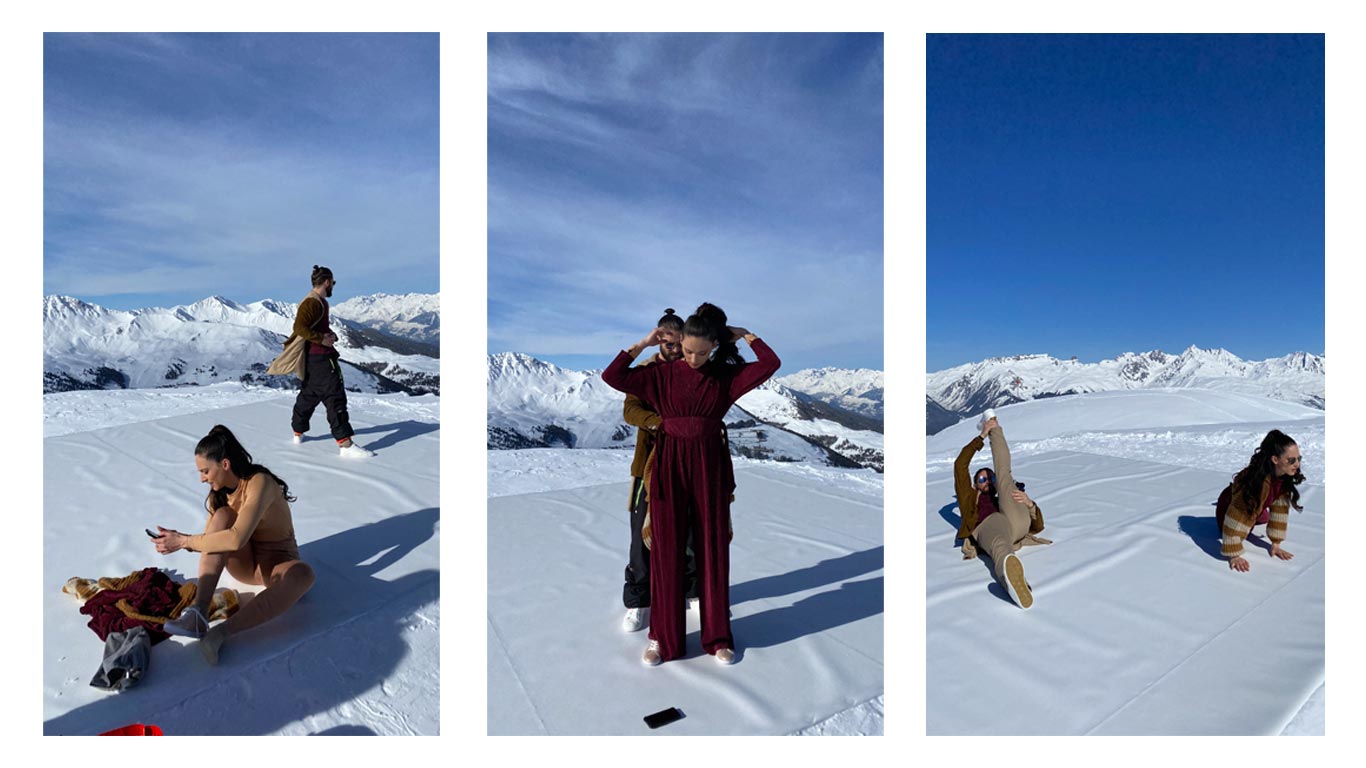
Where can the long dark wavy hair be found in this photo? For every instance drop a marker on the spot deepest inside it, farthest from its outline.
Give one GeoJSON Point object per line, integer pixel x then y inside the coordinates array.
{"type": "Point", "coordinates": [1248, 482]}
{"type": "Point", "coordinates": [709, 322]}
{"type": "Point", "coordinates": [221, 444]}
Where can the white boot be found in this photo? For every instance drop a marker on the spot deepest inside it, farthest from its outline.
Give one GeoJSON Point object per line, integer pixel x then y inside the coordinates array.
{"type": "Point", "coordinates": [635, 619]}
{"type": "Point", "coordinates": [651, 657]}
{"type": "Point", "coordinates": [352, 450]}
{"type": "Point", "coordinates": [298, 439]}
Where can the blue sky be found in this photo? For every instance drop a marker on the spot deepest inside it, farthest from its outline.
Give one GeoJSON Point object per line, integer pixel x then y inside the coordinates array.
{"type": "Point", "coordinates": [178, 167]}
{"type": "Point", "coordinates": [629, 173]}
{"type": "Point", "coordinates": [1092, 195]}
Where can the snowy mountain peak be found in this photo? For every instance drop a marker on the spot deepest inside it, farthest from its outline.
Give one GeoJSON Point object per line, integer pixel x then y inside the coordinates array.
{"type": "Point", "coordinates": [56, 306]}
{"type": "Point", "coordinates": [277, 307]}
{"type": "Point", "coordinates": [415, 316]}
{"type": "Point", "coordinates": [507, 364]}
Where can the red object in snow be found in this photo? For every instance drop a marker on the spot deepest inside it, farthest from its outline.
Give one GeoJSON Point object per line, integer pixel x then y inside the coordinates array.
{"type": "Point", "coordinates": [136, 729]}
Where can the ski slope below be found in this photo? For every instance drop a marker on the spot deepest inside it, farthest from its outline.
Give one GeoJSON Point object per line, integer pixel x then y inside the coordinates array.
{"type": "Point", "coordinates": [359, 654]}
{"type": "Point", "coordinates": [806, 596]}
{"type": "Point", "coordinates": [1139, 626]}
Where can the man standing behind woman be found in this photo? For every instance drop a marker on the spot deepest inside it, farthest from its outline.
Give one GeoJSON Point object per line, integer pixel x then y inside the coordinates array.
{"type": "Point", "coordinates": [635, 593]}
{"type": "Point", "coordinates": [692, 478]}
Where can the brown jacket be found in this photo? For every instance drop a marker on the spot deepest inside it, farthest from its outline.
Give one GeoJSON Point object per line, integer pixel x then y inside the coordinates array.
{"type": "Point", "coordinates": [1238, 520]}
{"type": "Point", "coordinates": [307, 316]}
{"type": "Point", "coordinates": [967, 492]}
{"type": "Point", "coordinates": [640, 415]}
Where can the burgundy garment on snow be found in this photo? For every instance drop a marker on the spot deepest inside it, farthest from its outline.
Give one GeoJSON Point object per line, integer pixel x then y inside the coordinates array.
{"type": "Point", "coordinates": [152, 594]}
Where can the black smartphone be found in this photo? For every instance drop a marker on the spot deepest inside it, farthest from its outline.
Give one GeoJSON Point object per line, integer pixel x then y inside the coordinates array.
{"type": "Point", "coordinates": [664, 717]}
{"type": "Point", "coordinates": [153, 535]}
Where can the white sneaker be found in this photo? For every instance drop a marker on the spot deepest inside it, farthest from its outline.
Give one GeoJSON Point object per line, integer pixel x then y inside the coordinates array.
{"type": "Point", "coordinates": [651, 657]}
{"type": "Point", "coordinates": [635, 619]}
{"type": "Point", "coordinates": [190, 623]}
{"type": "Point", "coordinates": [1016, 585]}
{"type": "Point", "coordinates": [725, 656]}
{"type": "Point", "coordinates": [987, 415]}
{"type": "Point", "coordinates": [298, 439]}
{"type": "Point", "coordinates": [354, 451]}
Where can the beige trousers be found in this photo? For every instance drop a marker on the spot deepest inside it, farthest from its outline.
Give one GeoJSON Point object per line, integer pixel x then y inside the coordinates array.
{"type": "Point", "coordinates": [999, 534]}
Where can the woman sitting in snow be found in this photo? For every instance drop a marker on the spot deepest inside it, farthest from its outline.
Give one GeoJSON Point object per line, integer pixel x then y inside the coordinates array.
{"type": "Point", "coordinates": [250, 533]}
{"type": "Point", "coordinates": [1262, 493]}
{"type": "Point", "coordinates": [1000, 524]}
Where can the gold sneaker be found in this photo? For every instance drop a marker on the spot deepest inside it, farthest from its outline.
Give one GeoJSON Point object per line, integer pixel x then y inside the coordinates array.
{"type": "Point", "coordinates": [1016, 585]}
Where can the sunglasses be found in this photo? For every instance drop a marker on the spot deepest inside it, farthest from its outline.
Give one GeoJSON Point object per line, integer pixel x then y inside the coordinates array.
{"type": "Point", "coordinates": [982, 479]}
{"type": "Point", "coordinates": [1292, 461]}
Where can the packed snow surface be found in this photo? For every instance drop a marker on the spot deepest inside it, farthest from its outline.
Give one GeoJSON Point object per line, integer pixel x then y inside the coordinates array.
{"type": "Point", "coordinates": [1139, 626]}
{"type": "Point", "coordinates": [806, 595]}
{"type": "Point", "coordinates": [359, 654]}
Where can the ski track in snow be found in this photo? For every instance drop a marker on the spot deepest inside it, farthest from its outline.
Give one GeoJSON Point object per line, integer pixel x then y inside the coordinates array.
{"type": "Point", "coordinates": [1139, 622]}
{"type": "Point", "coordinates": [806, 596]}
{"type": "Point", "coordinates": [359, 654]}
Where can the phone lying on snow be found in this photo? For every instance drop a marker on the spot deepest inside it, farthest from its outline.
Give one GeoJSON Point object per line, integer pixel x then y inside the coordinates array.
{"type": "Point", "coordinates": [663, 717]}
{"type": "Point", "coordinates": [153, 535]}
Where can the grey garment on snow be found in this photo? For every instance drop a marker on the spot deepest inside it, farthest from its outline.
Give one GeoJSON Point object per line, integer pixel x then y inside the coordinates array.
{"type": "Point", "coordinates": [125, 659]}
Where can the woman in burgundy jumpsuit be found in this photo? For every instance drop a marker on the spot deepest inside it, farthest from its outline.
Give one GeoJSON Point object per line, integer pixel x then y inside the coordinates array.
{"type": "Point", "coordinates": [692, 480]}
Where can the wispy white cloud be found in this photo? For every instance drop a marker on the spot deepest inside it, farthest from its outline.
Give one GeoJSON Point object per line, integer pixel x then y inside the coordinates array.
{"type": "Point", "coordinates": [628, 173]}
{"type": "Point", "coordinates": [235, 198]}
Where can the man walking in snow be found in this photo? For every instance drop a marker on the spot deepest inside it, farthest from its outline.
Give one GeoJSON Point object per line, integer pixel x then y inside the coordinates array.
{"type": "Point", "coordinates": [322, 381]}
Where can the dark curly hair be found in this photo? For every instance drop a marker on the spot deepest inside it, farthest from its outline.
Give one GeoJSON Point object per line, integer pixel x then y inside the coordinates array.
{"type": "Point", "coordinates": [1248, 482]}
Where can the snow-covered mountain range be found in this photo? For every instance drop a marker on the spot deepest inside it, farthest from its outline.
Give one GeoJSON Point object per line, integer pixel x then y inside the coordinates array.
{"type": "Point", "coordinates": [966, 390]}
{"type": "Point", "coordinates": [414, 316]}
{"type": "Point", "coordinates": [86, 346]}
{"type": "Point", "coordinates": [532, 403]}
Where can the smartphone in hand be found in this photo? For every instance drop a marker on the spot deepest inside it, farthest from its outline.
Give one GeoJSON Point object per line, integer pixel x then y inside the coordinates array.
{"type": "Point", "coordinates": [153, 535]}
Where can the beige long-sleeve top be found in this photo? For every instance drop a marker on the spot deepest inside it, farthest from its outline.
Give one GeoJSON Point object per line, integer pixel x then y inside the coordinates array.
{"type": "Point", "coordinates": [262, 515]}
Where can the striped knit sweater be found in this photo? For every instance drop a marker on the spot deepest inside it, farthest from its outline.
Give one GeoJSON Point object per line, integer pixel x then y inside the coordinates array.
{"type": "Point", "coordinates": [1238, 521]}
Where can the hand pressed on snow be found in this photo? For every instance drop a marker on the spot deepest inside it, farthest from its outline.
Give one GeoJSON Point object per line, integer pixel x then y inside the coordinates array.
{"type": "Point", "coordinates": [1239, 564]}
{"type": "Point", "coordinates": [1276, 551]}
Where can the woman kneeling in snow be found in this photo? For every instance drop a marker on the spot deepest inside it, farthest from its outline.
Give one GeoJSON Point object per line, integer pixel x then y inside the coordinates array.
{"type": "Point", "coordinates": [1000, 524]}
{"type": "Point", "coordinates": [250, 533]}
{"type": "Point", "coordinates": [1263, 492]}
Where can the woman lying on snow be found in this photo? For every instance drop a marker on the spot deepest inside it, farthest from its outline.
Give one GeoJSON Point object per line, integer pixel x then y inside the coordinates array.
{"type": "Point", "coordinates": [250, 533]}
{"type": "Point", "coordinates": [1000, 524]}
{"type": "Point", "coordinates": [1262, 493]}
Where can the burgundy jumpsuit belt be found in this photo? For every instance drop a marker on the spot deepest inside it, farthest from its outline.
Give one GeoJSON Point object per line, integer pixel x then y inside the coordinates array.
{"type": "Point", "coordinates": [692, 427]}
